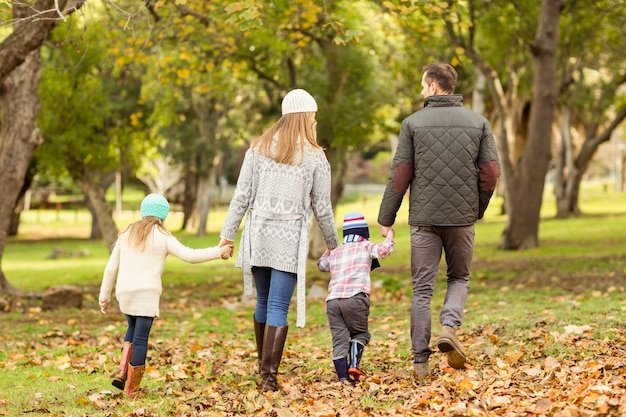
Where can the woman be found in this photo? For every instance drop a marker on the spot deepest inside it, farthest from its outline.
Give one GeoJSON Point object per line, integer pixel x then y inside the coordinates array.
{"type": "Point", "coordinates": [284, 178]}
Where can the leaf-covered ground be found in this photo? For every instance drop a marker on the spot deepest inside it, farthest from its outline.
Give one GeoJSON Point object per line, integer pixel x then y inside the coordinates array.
{"type": "Point", "coordinates": [202, 362]}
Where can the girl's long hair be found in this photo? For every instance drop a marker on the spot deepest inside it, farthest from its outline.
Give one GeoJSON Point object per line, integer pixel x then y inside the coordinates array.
{"type": "Point", "coordinates": [139, 231]}
{"type": "Point", "coordinates": [292, 132]}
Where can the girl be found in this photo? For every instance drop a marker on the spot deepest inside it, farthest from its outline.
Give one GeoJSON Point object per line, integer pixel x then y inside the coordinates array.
{"type": "Point", "coordinates": [137, 262]}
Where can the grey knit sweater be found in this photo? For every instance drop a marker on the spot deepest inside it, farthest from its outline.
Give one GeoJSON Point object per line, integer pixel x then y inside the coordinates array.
{"type": "Point", "coordinates": [279, 200]}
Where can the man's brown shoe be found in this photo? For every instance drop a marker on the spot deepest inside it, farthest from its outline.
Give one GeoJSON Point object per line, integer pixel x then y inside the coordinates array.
{"type": "Point", "coordinates": [449, 344]}
{"type": "Point", "coordinates": [420, 369]}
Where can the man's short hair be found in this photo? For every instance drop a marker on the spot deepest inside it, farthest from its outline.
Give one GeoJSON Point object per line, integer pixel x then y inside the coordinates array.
{"type": "Point", "coordinates": [443, 74]}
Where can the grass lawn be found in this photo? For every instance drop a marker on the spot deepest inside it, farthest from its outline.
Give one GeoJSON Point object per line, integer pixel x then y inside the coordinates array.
{"type": "Point", "coordinates": [544, 329]}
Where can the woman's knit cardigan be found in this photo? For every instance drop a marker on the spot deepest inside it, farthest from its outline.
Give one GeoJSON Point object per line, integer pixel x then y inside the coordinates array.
{"type": "Point", "coordinates": [277, 200]}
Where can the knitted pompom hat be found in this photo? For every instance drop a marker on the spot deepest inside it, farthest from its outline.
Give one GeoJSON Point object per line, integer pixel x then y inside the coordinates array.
{"type": "Point", "coordinates": [298, 101]}
{"type": "Point", "coordinates": [154, 205]}
{"type": "Point", "coordinates": [354, 224]}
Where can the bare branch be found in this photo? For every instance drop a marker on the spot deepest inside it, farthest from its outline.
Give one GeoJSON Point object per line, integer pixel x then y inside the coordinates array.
{"type": "Point", "coordinates": [41, 18]}
{"type": "Point", "coordinates": [58, 9]}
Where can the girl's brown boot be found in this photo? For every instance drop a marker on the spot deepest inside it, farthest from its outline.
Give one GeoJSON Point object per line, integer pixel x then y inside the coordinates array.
{"type": "Point", "coordinates": [135, 374]}
{"type": "Point", "coordinates": [119, 379]}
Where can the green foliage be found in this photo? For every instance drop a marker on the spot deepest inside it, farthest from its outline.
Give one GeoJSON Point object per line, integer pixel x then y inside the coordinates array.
{"type": "Point", "coordinates": [187, 81]}
{"type": "Point", "coordinates": [244, 14]}
{"type": "Point", "coordinates": [90, 118]}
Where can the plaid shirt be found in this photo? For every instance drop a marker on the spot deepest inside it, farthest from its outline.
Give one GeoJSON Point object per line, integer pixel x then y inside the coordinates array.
{"type": "Point", "coordinates": [350, 265]}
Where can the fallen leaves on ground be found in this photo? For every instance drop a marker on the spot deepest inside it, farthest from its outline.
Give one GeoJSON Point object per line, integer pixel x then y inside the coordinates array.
{"type": "Point", "coordinates": [216, 375]}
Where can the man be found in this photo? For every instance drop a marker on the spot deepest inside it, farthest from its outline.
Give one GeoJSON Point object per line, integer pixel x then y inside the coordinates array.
{"type": "Point", "coordinates": [447, 156]}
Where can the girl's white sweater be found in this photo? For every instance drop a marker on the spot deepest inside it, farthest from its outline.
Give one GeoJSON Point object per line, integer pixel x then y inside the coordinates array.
{"type": "Point", "coordinates": [138, 287]}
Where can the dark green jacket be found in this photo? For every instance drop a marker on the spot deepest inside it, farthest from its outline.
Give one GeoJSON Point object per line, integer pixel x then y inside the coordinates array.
{"type": "Point", "coordinates": [447, 156]}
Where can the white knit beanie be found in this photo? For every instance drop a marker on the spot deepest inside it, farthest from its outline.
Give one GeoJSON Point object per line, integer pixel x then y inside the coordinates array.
{"type": "Point", "coordinates": [298, 101]}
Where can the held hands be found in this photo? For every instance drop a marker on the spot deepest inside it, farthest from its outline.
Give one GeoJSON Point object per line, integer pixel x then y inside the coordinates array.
{"type": "Point", "coordinates": [226, 248]}
{"type": "Point", "coordinates": [104, 306]}
{"type": "Point", "coordinates": [387, 231]}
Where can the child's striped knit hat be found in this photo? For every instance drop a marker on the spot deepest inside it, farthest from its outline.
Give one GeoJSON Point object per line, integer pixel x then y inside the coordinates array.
{"type": "Point", "coordinates": [354, 224]}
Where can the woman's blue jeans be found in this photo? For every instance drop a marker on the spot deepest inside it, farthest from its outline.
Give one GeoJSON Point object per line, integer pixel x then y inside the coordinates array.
{"type": "Point", "coordinates": [138, 333]}
{"type": "Point", "coordinates": [274, 290]}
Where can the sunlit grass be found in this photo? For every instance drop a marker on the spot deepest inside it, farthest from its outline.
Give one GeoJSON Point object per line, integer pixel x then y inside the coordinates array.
{"type": "Point", "coordinates": [526, 301]}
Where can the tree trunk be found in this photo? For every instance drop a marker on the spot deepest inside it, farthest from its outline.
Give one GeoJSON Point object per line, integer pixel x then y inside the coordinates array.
{"type": "Point", "coordinates": [15, 218]}
{"type": "Point", "coordinates": [336, 79]}
{"type": "Point", "coordinates": [19, 205]}
{"type": "Point", "coordinates": [524, 200]}
{"type": "Point", "coordinates": [94, 233]}
{"type": "Point", "coordinates": [565, 171]}
{"type": "Point", "coordinates": [19, 137]}
{"type": "Point", "coordinates": [509, 111]}
{"type": "Point", "coordinates": [478, 95]}
{"type": "Point", "coordinates": [568, 192]}
{"type": "Point", "coordinates": [190, 196]}
{"type": "Point", "coordinates": [204, 203]}
{"type": "Point", "coordinates": [30, 32]}
{"type": "Point", "coordinates": [103, 211]}
{"type": "Point", "coordinates": [209, 111]}
{"type": "Point", "coordinates": [107, 181]}
{"type": "Point", "coordinates": [19, 104]}
{"type": "Point", "coordinates": [207, 192]}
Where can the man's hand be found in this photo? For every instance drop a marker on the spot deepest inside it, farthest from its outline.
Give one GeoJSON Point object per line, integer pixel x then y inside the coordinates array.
{"type": "Point", "coordinates": [384, 230]}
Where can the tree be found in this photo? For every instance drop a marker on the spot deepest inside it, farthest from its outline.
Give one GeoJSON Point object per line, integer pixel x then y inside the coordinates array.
{"type": "Point", "coordinates": [523, 121]}
{"type": "Point", "coordinates": [592, 101]}
{"type": "Point", "coordinates": [525, 197]}
{"type": "Point", "coordinates": [494, 37]}
{"type": "Point", "coordinates": [320, 46]}
{"type": "Point", "coordinates": [91, 116]}
{"type": "Point", "coordinates": [19, 78]}
{"type": "Point", "coordinates": [194, 82]}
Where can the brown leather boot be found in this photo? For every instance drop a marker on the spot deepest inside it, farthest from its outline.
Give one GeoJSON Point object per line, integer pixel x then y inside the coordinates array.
{"type": "Point", "coordinates": [273, 345]}
{"type": "Point", "coordinates": [119, 379]}
{"type": "Point", "coordinates": [449, 344]}
{"type": "Point", "coordinates": [421, 370]}
{"type": "Point", "coordinates": [135, 374]}
{"type": "Point", "coordinates": [259, 330]}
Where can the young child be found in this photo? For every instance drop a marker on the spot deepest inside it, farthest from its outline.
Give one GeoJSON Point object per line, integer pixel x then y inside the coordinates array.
{"type": "Point", "coordinates": [348, 303]}
{"type": "Point", "coordinates": [136, 263]}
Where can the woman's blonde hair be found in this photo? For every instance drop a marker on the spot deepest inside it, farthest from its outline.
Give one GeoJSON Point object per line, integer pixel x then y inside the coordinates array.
{"type": "Point", "coordinates": [139, 231]}
{"type": "Point", "coordinates": [292, 131]}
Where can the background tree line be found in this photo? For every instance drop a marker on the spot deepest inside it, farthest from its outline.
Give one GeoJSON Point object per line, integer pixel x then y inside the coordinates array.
{"type": "Point", "coordinates": [171, 93]}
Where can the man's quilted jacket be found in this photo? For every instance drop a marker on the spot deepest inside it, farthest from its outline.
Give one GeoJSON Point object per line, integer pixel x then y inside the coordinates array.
{"type": "Point", "coordinates": [447, 155]}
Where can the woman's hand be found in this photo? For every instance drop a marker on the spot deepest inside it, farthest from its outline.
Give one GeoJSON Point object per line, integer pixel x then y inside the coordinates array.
{"type": "Point", "coordinates": [226, 248]}
{"type": "Point", "coordinates": [104, 306]}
